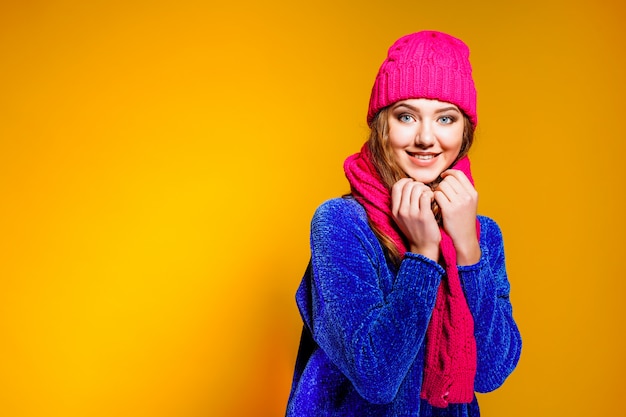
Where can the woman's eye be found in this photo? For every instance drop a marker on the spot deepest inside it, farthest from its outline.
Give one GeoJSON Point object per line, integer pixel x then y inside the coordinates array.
{"type": "Point", "coordinates": [446, 120]}
{"type": "Point", "coordinates": [406, 118]}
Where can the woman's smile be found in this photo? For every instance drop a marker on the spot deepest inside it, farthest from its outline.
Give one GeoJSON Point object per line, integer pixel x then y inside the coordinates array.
{"type": "Point", "coordinates": [422, 158]}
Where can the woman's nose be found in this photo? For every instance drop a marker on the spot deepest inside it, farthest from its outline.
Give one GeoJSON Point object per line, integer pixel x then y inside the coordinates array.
{"type": "Point", "coordinates": [425, 136]}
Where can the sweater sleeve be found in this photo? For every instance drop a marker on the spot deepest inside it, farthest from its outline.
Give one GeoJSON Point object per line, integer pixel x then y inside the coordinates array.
{"type": "Point", "coordinates": [487, 288]}
{"type": "Point", "coordinates": [371, 332]}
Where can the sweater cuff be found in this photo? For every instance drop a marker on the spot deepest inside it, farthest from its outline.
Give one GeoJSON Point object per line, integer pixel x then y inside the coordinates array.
{"type": "Point", "coordinates": [425, 260]}
{"type": "Point", "coordinates": [482, 262]}
{"type": "Point", "coordinates": [420, 273]}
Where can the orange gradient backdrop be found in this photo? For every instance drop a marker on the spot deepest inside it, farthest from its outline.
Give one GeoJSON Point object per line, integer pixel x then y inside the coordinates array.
{"type": "Point", "coordinates": [160, 162]}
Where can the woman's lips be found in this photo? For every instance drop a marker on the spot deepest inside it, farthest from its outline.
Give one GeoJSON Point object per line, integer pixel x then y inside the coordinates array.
{"type": "Point", "coordinates": [423, 159]}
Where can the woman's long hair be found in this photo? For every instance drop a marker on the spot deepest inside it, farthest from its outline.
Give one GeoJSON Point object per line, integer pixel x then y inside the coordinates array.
{"type": "Point", "coordinates": [390, 172]}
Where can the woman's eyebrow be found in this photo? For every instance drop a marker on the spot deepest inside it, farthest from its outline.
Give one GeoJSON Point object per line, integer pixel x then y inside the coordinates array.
{"type": "Point", "coordinates": [408, 106]}
{"type": "Point", "coordinates": [445, 109]}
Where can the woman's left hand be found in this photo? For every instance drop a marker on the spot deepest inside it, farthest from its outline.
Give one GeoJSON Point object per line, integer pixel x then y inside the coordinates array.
{"type": "Point", "coordinates": [458, 201]}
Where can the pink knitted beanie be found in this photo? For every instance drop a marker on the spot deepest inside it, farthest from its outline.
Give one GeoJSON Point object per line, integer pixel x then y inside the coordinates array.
{"type": "Point", "coordinates": [425, 64]}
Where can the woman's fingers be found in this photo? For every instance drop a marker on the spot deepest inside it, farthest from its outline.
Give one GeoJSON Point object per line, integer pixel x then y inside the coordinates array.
{"type": "Point", "coordinates": [456, 187]}
{"type": "Point", "coordinates": [458, 180]}
{"type": "Point", "coordinates": [406, 195]}
{"type": "Point", "coordinates": [426, 199]}
{"type": "Point", "coordinates": [397, 194]}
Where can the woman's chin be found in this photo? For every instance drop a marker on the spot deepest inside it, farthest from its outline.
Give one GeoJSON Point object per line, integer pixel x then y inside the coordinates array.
{"type": "Point", "coordinates": [424, 178]}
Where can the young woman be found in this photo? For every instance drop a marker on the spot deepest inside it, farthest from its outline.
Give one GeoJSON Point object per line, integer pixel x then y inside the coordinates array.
{"type": "Point", "coordinates": [405, 301]}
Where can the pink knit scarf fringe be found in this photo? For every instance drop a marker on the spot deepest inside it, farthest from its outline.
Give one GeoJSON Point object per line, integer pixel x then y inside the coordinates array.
{"type": "Point", "coordinates": [450, 359]}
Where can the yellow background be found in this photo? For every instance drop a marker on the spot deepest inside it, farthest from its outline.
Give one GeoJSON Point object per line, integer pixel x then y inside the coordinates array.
{"type": "Point", "coordinates": [160, 162]}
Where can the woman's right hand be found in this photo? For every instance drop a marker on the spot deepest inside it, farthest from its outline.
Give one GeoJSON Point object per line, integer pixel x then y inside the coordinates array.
{"type": "Point", "coordinates": [411, 209]}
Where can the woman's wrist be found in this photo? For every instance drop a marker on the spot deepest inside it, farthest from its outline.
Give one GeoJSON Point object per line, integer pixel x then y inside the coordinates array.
{"type": "Point", "coordinates": [429, 252]}
{"type": "Point", "coordinates": [467, 253]}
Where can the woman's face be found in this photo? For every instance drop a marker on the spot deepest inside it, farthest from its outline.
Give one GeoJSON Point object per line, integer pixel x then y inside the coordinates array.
{"type": "Point", "coordinates": [425, 136]}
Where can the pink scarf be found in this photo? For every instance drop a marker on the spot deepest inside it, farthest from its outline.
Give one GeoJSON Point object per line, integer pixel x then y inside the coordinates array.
{"type": "Point", "coordinates": [450, 359]}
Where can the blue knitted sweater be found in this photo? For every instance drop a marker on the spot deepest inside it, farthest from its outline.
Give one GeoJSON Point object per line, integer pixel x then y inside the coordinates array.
{"type": "Point", "coordinates": [362, 346]}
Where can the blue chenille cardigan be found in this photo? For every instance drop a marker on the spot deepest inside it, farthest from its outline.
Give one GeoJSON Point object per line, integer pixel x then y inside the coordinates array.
{"type": "Point", "coordinates": [362, 346]}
